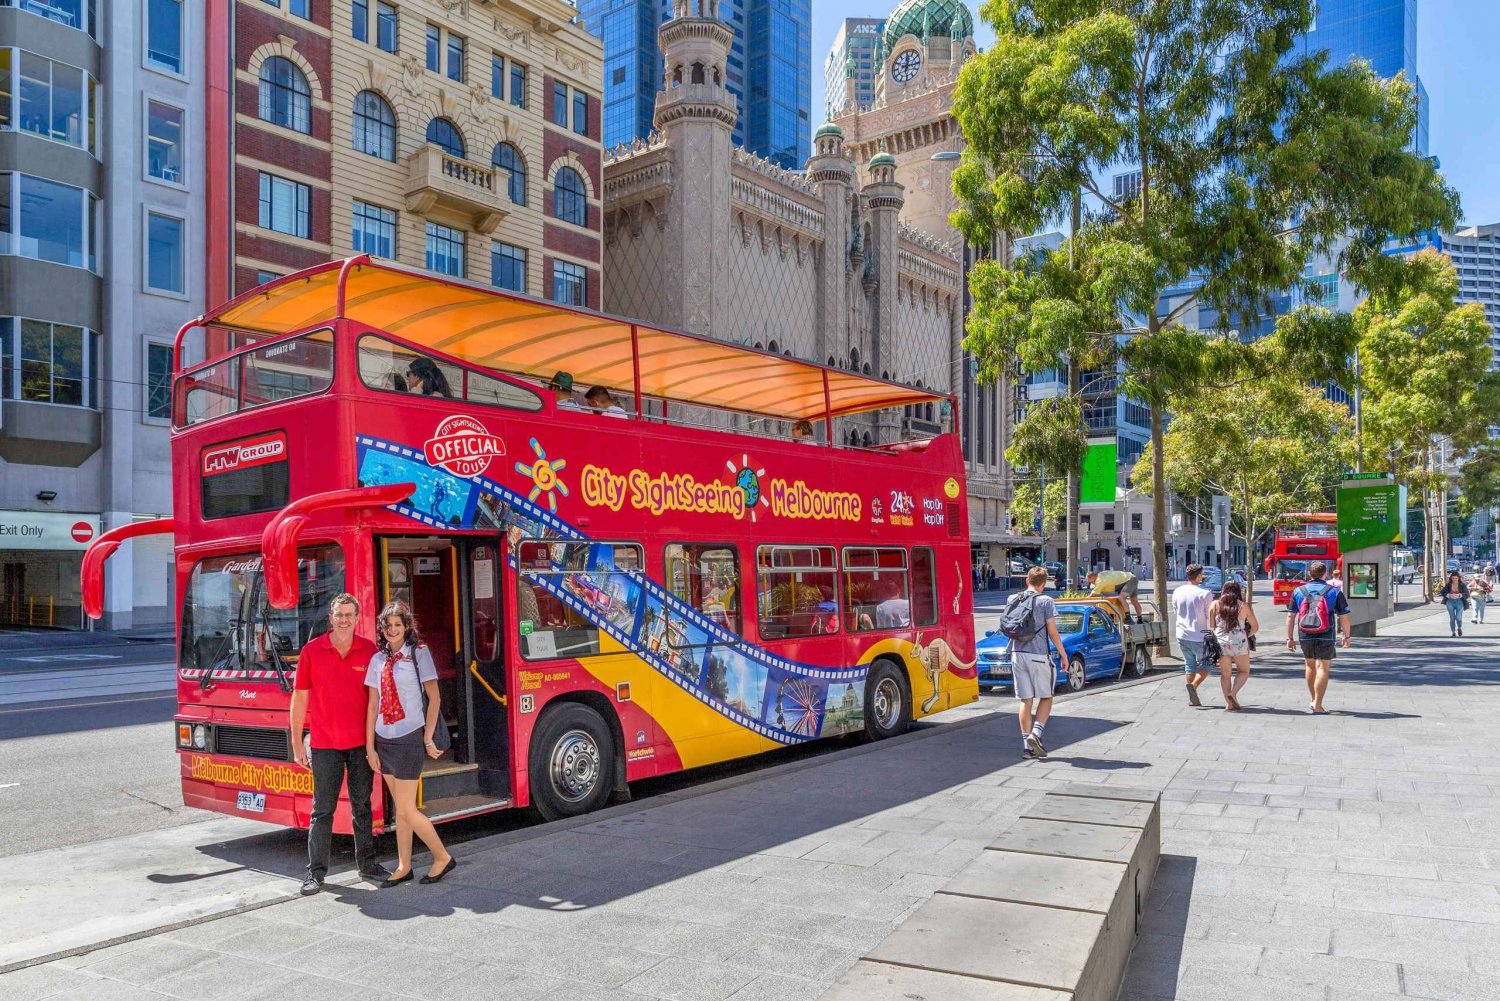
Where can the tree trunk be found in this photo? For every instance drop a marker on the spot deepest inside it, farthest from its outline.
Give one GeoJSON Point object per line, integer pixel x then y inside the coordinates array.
{"type": "Point", "coordinates": [1158, 511]}
{"type": "Point", "coordinates": [1075, 475]}
{"type": "Point", "coordinates": [1427, 526]}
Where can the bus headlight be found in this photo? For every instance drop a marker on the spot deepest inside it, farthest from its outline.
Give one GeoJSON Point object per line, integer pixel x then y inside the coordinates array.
{"type": "Point", "coordinates": [184, 735]}
{"type": "Point", "coordinates": [200, 737]}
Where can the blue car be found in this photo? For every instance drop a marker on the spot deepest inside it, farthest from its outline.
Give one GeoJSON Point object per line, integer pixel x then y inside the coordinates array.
{"type": "Point", "coordinates": [1091, 637]}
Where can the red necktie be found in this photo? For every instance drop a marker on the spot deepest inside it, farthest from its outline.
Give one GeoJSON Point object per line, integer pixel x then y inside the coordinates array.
{"type": "Point", "coordinates": [391, 711]}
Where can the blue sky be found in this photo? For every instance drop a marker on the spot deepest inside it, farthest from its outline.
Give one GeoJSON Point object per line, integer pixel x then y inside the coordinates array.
{"type": "Point", "coordinates": [1455, 46]}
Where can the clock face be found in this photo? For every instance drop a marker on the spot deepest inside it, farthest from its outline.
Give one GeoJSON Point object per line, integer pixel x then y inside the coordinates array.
{"type": "Point", "coordinates": [906, 65]}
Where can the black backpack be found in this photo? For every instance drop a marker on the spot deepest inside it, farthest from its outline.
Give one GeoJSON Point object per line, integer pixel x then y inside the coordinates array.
{"type": "Point", "coordinates": [1017, 624]}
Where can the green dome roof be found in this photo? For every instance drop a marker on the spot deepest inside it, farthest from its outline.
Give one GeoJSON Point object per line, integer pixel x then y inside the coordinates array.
{"type": "Point", "coordinates": [938, 15]}
{"type": "Point", "coordinates": [882, 159]}
{"type": "Point", "coordinates": [829, 129]}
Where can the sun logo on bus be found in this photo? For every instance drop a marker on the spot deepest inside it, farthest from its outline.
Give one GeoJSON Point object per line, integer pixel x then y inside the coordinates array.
{"type": "Point", "coordinates": [544, 478]}
{"type": "Point", "coordinates": [747, 478]}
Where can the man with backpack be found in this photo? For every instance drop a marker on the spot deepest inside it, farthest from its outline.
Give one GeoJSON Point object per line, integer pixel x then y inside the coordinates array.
{"type": "Point", "coordinates": [1315, 607]}
{"type": "Point", "coordinates": [1028, 620]}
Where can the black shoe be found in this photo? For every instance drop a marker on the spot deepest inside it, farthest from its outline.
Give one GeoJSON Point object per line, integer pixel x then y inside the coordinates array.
{"type": "Point", "coordinates": [446, 870]}
{"type": "Point", "coordinates": [1460, 630]}
{"type": "Point", "coordinates": [374, 870]}
{"type": "Point", "coordinates": [396, 881]}
{"type": "Point", "coordinates": [1034, 743]}
{"type": "Point", "coordinates": [1193, 696]}
{"type": "Point", "coordinates": [311, 885]}
{"type": "Point", "coordinates": [1026, 751]}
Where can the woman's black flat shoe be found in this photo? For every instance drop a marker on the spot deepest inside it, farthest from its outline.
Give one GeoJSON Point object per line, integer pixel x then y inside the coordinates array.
{"type": "Point", "coordinates": [446, 870]}
{"type": "Point", "coordinates": [397, 881]}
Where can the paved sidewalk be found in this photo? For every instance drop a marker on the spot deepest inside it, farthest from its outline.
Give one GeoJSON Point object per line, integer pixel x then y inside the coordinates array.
{"type": "Point", "coordinates": [1352, 856]}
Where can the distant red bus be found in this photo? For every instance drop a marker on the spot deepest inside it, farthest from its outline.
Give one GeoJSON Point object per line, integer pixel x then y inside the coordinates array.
{"type": "Point", "coordinates": [1301, 539]}
{"type": "Point", "coordinates": [606, 599]}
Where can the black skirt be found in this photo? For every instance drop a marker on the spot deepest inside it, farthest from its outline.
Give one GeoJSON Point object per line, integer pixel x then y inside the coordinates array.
{"type": "Point", "coordinates": [402, 757]}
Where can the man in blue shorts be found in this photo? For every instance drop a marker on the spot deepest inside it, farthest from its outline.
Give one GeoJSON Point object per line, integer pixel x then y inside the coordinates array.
{"type": "Point", "coordinates": [1190, 603]}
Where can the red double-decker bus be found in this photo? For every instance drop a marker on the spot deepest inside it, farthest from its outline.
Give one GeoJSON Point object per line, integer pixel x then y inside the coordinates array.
{"type": "Point", "coordinates": [606, 599]}
{"type": "Point", "coordinates": [1302, 538]}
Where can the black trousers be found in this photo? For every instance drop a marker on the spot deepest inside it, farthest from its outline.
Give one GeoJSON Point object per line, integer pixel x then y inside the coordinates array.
{"type": "Point", "coordinates": [328, 768]}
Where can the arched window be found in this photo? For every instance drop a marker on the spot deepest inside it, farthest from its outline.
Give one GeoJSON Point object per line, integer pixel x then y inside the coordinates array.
{"type": "Point", "coordinates": [374, 125]}
{"type": "Point", "coordinates": [508, 157]}
{"type": "Point", "coordinates": [773, 347]}
{"type": "Point", "coordinates": [697, 73]}
{"type": "Point", "coordinates": [284, 95]}
{"type": "Point", "coordinates": [569, 203]}
{"type": "Point", "coordinates": [445, 136]}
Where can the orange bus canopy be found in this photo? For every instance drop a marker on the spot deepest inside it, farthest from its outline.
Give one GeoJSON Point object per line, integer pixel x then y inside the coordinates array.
{"type": "Point", "coordinates": [509, 333]}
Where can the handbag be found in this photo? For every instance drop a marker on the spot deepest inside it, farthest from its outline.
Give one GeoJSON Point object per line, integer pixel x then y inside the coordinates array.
{"type": "Point", "coordinates": [1249, 636]}
{"type": "Point", "coordinates": [1211, 648]}
{"type": "Point", "coordinates": [440, 737]}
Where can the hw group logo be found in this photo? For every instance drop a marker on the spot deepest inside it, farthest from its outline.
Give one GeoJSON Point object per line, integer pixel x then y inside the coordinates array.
{"type": "Point", "coordinates": [463, 446]}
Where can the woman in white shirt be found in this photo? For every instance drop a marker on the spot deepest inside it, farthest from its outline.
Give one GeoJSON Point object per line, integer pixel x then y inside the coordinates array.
{"type": "Point", "coordinates": [398, 733]}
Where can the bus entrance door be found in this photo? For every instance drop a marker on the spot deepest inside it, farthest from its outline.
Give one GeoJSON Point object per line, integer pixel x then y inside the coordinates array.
{"type": "Point", "coordinates": [435, 577]}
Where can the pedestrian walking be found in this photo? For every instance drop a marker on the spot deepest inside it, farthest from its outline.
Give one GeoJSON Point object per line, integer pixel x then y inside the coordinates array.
{"type": "Point", "coordinates": [329, 696]}
{"type": "Point", "coordinates": [1029, 621]}
{"type": "Point", "coordinates": [1315, 610]}
{"type": "Point", "coordinates": [1455, 595]}
{"type": "Point", "coordinates": [1190, 603]}
{"type": "Point", "coordinates": [1479, 596]}
{"type": "Point", "coordinates": [1234, 623]}
{"type": "Point", "coordinates": [399, 735]}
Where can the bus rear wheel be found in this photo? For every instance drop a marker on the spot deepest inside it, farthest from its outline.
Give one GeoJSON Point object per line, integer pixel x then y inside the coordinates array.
{"type": "Point", "coordinates": [572, 761]}
{"type": "Point", "coordinates": [887, 702]}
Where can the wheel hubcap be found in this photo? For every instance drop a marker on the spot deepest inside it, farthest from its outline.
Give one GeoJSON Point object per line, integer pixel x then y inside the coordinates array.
{"type": "Point", "coordinates": [1075, 675]}
{"type": "Point", "coordinates": [575, 766]}
{"type": "Point", "coordinates": [887, 703]}
{"type": "Point", "coordinates": [1140, 662]}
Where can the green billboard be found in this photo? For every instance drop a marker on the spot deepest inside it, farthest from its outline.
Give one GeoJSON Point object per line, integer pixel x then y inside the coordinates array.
{"type": "Point", "coordinates": [1371, 516]}
{"type": "Point", "coordinates": [1098, 483]}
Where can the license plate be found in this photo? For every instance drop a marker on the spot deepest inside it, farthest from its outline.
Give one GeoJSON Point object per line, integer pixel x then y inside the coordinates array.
{"type": "Point", "coordinates": [253, 802]}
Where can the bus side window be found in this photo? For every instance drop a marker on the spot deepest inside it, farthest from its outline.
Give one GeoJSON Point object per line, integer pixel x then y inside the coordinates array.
{"type": "Point", "coordinates": [707, 577]}
{"type": "Point", "coordinates": [396, 368]}
{"type": "Point", "coordinates": [567, 588]}
{"type": "Point", "coordinates": [924, 599]}
{"type": "Point", "coordinates": [796, 591]}
{"type": "Point", "coordinates": [876, 588]}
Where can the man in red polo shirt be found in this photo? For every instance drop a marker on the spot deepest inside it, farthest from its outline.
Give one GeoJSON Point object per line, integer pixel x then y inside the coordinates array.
{"type": "Point", "coordinates": [331, 682]}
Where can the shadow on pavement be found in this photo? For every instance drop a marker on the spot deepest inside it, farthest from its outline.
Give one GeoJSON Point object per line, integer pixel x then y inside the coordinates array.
{"type": "Point", "coordinates": [1156, 959]}
{"type": "Point", "coordinates": [81, 715]}
{"type": "Point", "coordinates": [788, 812]}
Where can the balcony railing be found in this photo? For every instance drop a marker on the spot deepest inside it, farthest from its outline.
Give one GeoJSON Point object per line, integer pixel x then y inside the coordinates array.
{"type": "Point", "coordinates": [435, 179]}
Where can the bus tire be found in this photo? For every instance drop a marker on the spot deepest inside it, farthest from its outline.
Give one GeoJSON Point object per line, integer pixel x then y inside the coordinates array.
{"type": "Point", "coordinates": [572, 761]}
{"type": "Point", "coordinates": [887, 701]}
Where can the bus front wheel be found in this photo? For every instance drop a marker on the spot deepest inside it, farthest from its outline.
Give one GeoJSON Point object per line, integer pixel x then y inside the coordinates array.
{"type": "Point", "coordinates": [572, 761]}
{"type": "Point", "coordinates": [887, 702]}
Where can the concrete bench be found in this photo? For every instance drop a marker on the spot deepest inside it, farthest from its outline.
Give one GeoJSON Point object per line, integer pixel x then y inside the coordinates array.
{"type": "Point", "coordinates": [1048, 912]}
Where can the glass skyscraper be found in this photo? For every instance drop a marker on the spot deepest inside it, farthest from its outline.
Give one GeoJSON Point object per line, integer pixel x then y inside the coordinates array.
{"type": "Point", "coordinates": [769, 71]}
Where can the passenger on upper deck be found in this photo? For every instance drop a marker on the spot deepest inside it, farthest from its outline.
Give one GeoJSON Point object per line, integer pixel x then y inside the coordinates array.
{"type": "Point", "coordinates": [562, 384]}
{"type": "Point", "coordinates": [423, 376]}
{"type": "Point", "coordinates": [803, 431]}
{"type": "Point", "coordinates": [603, 401]}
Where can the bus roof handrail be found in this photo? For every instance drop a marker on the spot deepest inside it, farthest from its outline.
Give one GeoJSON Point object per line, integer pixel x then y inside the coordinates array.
{"type": "Point", "coordinates": [278, 543]}
{"type": "Point", "coordinates": [511, 333]}
{"type": "Point", "coordinates": [91, 575]}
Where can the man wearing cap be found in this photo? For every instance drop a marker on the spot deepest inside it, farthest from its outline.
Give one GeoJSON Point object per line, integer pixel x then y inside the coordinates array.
{"type": "Point", "coordinates": [331, 682]}
{"type": "Point", "coordinates": [562, 385]}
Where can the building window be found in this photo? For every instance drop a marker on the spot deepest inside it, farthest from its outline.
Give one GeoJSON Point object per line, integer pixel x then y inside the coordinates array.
{"type": "Point", "coordinates": [1135, 522]}
{"type": "Point", "coordinates": [80, 14]}
{"type": "Point", "coordinates": [158, 381]}
{"type": "Point", "coordinates": [163, 34]}
{"type": "Point", "coordinates": [360, 20]}
{"type": "Point", "coordinates": [456, 48]}
{"type": "Point", "coordinates": [445, 136]}
{"type": "Point", "coordinates": [164, 252]}
{"type": "Point", "coordinates": [508, 267]}
{"type": "Point", "coordinates": [560, 104]}
{"type": "Point", "coordinates": [569, 284]}
{"type": "Point", "coordinates": [285, 99]}
{"type": "Point", "coordinates": [48, 99]}
{"type": "Point", "coordinates": [509, 157]}
{"type": "Point", "coordinates": [445, 250]}
{"type": "Point", "coordinates": [497, 76]}
{"type": "Point", "coordinates": [48, 221]}
{"type": "Point", "coordinates": [261, 277]}
{"type": "Point", "coordinates": [164, 142]}
{"type": "Point", "coordinates": [301, 8]}
{"type": "Point", "coordinates": [285, 206]}
{"type": "Point", "coordinates": [386, 25]}
{"type": "Point", "coordinates": [569, 203]}
{"type": "Point", "coordinates": [374, 125]}
{"type": "Point", "coordinates": [374, 230]}
{"type": "Point", "coordinates": [47, 362]}
{"type": "Point", "coordinates": [1109, 523]}
{"type": "Point", "coordinates": [518, 85]}
{"type": "Point", "coordinates": [1127, 185]}
{"type": "Point", "coordinates": [580, 113]}
{"type": "Point", "coordinates": [434, 48]}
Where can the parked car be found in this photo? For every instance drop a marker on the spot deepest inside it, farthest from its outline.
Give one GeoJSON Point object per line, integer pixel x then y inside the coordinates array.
{"type": "Point", "coordinates": [1403, 566]}
{"type": "Point", "coordinates": [1093, 639]}
{"type": "Point", "coordinates": [1019, 566]}
{"type": "Point", "coordinates": [1451, 565]}
{"type": "Point", "coordinates": [1054, 570]}
{"type": "Point", "coordinates": [1213, 579]}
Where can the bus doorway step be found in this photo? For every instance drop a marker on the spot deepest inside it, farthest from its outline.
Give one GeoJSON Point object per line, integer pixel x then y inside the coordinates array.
{"type": "Point", "coordinates": [454, 807]}
{"type": "Point", "coordinates": [442, 779]}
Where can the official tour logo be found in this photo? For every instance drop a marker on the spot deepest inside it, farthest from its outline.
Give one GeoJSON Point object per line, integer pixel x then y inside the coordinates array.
{"type": "Point", "coordinates": [462, 446]}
